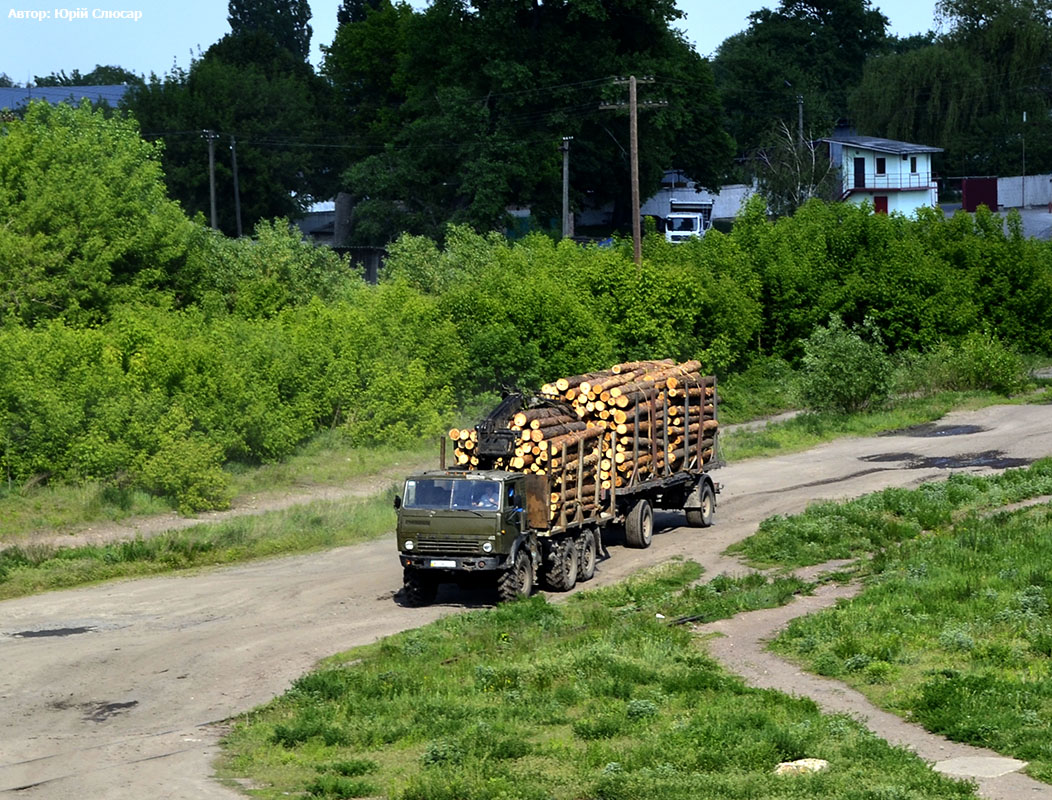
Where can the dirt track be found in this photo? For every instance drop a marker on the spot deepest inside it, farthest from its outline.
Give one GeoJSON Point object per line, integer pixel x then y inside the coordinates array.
{"type": "Point", "coordinates": [118, 691]}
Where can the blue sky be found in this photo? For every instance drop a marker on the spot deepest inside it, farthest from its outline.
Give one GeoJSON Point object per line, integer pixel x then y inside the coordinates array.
{"type": "Point", "coordinates": [155, 35]}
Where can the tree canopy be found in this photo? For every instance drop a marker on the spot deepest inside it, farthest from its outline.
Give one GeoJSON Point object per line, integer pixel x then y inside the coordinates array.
{"type": "Point", "coordinates": [84, 218]}
{"type": "Point", "coordinates": [814, 49]}
{"type": "Point", "coordinates": [285, 20]}
{"type": "Point", "coordinates": [257, 94]}
{"type": "Point", "coordinates": [109, 75]}
{"type": "Point", "coordinates": [968, 91]}
{"type": "Point", "coordinates": [459, 110]}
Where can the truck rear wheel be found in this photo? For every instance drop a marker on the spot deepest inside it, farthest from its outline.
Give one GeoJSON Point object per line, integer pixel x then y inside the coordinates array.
{"type": "Point", "coordinates": [517, 580]}
{"type": "Point", "coordinates": [561, 574]}
{"type": "Point", "coordinates": [639, 525]}
{"type": "Point", "coordinates": [701, 517]}
{"type": "Point", "coordinates": [420, 589]}
{"type": "Point", "coordinates": [587, 555]}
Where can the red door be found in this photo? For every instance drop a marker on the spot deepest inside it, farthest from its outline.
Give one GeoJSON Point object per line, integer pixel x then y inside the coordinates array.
{"type": "Point", "coordinates": [880, 205]}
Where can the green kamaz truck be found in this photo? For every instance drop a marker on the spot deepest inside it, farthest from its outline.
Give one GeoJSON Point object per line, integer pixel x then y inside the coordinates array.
{"type": "Point", "coordinates": [522, 520]}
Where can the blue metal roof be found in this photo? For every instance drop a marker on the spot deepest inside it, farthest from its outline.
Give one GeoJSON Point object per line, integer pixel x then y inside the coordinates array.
{"type": "Point", "coordinates": [15, 98]}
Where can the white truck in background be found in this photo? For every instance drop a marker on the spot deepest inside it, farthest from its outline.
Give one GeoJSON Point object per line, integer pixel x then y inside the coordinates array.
{"type": "Point", "coordinates": [687, 219]}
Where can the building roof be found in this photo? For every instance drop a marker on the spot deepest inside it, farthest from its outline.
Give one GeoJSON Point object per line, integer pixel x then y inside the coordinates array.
{"type": "Point", "coordinates": [15, 98]}
{"type": "Point", "coordinates": [883, 145]}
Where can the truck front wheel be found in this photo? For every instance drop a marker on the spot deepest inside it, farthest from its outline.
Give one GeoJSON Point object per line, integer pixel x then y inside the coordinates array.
{"type": "Point", "coordinates": [420, 589]}
{"type": "Point", "coordinates": [517, 580]}
{"type": "Point", "coordinates": [639, 525]}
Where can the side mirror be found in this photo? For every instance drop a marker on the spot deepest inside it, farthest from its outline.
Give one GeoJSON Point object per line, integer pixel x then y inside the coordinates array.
{"type": "Point", "coordinates": [397, 502]}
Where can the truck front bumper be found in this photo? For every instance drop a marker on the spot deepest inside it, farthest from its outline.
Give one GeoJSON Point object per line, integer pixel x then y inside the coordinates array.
{"type": "Point", "coordinates": [452, 563]}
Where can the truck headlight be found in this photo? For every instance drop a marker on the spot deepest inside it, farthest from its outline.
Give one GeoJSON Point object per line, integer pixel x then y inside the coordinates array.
{"type": "Point", "coordinates": [487, 547]}
{"type": "Point", "coordinates": [408, 544]}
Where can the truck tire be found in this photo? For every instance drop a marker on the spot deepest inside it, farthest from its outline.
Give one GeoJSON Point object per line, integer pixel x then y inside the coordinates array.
{"type": "Point", "coordinates": [639, 525]}
{"type": "Point", "coordinates": [701, 517]}
{"type": "Point", "coordinates": [587, 555]}
{"type": "Point", "coordinates": [517, 580]}
{"type": "Point", "coordinates": [561, 574]}
{"type": "Point", "coordinates": [420, 589]}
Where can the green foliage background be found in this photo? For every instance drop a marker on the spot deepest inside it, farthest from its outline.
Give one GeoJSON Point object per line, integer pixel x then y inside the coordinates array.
{"type": "Point", "coordinates": [138, 348]}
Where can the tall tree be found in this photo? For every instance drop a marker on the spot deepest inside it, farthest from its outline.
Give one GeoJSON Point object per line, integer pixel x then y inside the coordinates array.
{"type": "Point", "coordinates": [109, 75]}
{"type": "Point", "coordinates": [463, 107]}
{"type": "Point", "coordinates": [812, 50]}
{"type": "Point", "coordinates": [84, 218]}
{"type": "Point", "coordinates": [285, 20]}
{"type": "Point", "coordinates": [969, 91]}
{"type": "Point", "coordinates": [355, 10]}
{"type": "Point", "coordinates": [276, 109]}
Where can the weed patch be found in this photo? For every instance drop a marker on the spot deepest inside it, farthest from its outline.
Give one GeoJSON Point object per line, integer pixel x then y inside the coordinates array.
{"type": "Point", "coordinates": [602, 696]}
{"type": "Point", "coordinates": [958, 623]}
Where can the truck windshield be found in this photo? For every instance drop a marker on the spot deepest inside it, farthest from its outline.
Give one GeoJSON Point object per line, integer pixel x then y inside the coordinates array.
{"type": "Point", "coordinates": [445, 494]}
{"type": "Point", "coordinates": [686, 224]}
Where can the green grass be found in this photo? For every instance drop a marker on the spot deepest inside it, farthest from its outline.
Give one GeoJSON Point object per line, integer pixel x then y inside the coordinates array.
{"type": "Point", "coordinates": [325, 461]}
{"type": "Point", "coordinates": [34, 568]}
{"type": "Point", "coordinates": [602, 696]}
{"type": "Point", "coordinates": [953, 631]}
{"type": "Point", "coordinates": [836, 530]}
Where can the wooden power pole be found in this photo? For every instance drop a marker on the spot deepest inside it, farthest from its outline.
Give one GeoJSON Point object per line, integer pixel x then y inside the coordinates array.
{"type": "Point", "coordinates": [211, 137]}
{"type": "Point", "coordinates": [633, 133]}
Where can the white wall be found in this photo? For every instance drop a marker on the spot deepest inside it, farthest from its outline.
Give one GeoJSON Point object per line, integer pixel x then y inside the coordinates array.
{"type": "Point", "coordinates": [1038, 188]}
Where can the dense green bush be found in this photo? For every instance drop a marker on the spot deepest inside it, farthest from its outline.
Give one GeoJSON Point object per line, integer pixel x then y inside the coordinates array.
{"type": "Point", "coordinates": [84, 219]}
{"type": "Point", "coordinates": [140, 348]}
{"type": "Point", "coordinates": [845, 370]}
{"type": "Point", "coordinates": [162, 399]}
{"type": "Point", "coordinates": [979, 361]}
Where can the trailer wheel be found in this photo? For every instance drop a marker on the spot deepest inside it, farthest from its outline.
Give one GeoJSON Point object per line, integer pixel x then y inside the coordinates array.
{"type": "Point", "coordinates": [639, 525]}
{"type": "Point", "coordinates": [420, 589]}
{"type": "Point", "coordinates": [587, 555]}
{"type": "Point", "coordinates": [701, 517]}
{"type": "Point", "coordinates": [561, 574]}
{"type": "Point", "coordinates": [517, 580]}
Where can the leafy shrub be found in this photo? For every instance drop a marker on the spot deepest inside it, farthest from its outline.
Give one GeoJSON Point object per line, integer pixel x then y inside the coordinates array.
{"type": "Point", "coordinates": [845, 370]}
{"type": "Point", "coordinates": [979, 361]}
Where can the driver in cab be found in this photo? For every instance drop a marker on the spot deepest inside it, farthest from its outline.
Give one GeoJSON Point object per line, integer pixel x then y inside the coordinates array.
{"type": "Point", "coordinates": [487, 498]}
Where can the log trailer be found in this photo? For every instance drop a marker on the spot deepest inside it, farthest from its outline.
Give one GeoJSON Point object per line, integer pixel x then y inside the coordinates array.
{"type": "Point", "coordinates": [535, 483]}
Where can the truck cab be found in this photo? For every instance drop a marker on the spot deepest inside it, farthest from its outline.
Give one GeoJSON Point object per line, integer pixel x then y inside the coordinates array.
{"type": "Point", "coordinates": [452, 523]}
{"type": "Point", "coordinates": [688, 219]}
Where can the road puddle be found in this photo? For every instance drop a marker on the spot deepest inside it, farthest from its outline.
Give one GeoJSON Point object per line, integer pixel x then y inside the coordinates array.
{"type": "Point", "coordinates": [930, 430]}
{"type": "Point", "coordinates": [55, 632]}
{"type": "Point", "coordinates": [992, 459]}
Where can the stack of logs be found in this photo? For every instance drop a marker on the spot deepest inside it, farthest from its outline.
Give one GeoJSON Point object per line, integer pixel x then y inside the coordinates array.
{"type": "Point", "coordinates": [634, 422]}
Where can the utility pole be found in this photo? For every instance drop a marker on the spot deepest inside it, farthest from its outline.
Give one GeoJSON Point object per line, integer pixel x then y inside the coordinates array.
{"type": "Point", "coordinates": [1023, 187]}
{"type": "Point", "coordinates": [800, 117]}
{"type": "Point", "coordinates": [633, 146]}
{"type": "Point", "coordinates": [567, 219]}
{"type": "Point", "coordinates": [237, 190]}
{"type": "Point", "coordinates": [211, 137]}
{"type": "Point", "coordinates": [633, 131]}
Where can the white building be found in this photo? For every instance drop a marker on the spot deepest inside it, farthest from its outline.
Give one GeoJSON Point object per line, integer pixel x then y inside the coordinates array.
{"type": "Point", "coordinates": [891, 175]}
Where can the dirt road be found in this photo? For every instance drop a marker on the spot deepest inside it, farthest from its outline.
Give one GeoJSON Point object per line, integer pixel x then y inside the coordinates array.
{"type": "Point", "coordinates": [117, 691]}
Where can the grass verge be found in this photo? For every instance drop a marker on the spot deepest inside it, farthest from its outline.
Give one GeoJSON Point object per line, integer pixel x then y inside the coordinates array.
{"type": "Point", "coordinates": [836, 530]}
{"type": "Point", "coordinates": [954, 628]}
{"type": "Point", "coordinates": [601, 697]}
{"type": "Point", "coordinates": [31, 569]}
{"type": "Point", "coordinates": [325, 461]}
{"type": "Point", "coordinates": [954, 632]}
